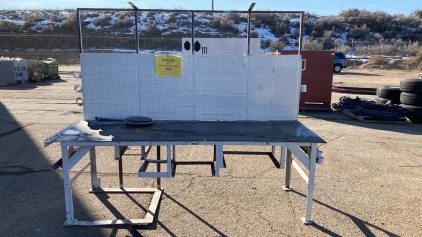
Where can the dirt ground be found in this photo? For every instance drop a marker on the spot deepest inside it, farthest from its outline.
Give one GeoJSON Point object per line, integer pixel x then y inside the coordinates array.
{"type": "Point", "coordinates": [372, 78]}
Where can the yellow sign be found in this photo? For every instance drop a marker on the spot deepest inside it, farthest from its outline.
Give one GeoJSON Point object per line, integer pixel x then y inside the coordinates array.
{"type": "Point", "coordinates": [168, 65]}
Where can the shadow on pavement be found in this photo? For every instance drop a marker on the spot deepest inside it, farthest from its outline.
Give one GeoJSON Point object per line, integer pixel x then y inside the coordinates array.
{"type": "Point", "coordinates": [361, 224]}
{"type": "Point", "coordinates": [338, 117]}
{"type": "Point", "coordinates": [133, 229]}
{"type": "Point", "coordinates": [31, 85]}
{"type": "Point", "coordinates": [357, 74]}
{"type": "Point", "coordinates": [32, 198]}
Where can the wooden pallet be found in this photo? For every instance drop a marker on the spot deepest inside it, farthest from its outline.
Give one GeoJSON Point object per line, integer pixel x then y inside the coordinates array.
{"type": "Point", "coordinates": [369, 119]}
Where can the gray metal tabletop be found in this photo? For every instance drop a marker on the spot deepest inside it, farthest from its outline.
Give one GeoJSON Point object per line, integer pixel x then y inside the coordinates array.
{"type": "Point", "coordinates": [191, 131]}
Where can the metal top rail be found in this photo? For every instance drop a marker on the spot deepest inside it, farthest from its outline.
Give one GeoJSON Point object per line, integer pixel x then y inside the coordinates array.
{"type": "Point", "coordinates": [175, 10]}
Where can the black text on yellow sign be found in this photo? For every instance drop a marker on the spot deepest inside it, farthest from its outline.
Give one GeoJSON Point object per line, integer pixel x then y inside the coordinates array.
{"type": "Point", "coordinates": [168, 65]}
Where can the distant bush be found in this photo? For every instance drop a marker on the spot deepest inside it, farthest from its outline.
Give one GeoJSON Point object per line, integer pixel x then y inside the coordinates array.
{"type": "Point", "coordinates": [104, 20]}
{"type": "Point", "coordinates": [414, 49]}
{"type": "Point", "coordinates": [277, 45]}
{"type": "Point", "coordinates": [54, 17]}
{"type": "Point", "coordinates": [152, 30]}
{"type": "Point", "coordinates": [8, 26]}
{"type": "Point", "coordinates": [34, 17]}
{"type": "Point", "coordinates": [71, 22]}
{"type": "Point", "coordinates": [172, 18]}
{"type": "Point", "coordinates": [236, 18]}
{"type": "Point", "coordinates": [312, 45]}
{"type": "Point", "coordinates": [91, 14]}
{"type": "Point", "coordinates": [47, 28]}
{"type": "Point", "coordinates": [378, 59]}
{"type": "Point", "coordinates": [123, 22]}
{"type": "Point", "coordinates": [224, 25]}
{"type": "Point", "coordinates": [31, 18]}
{"type": "Point", "coordinates": [342, 48]}
{"type": "Point", "coordinates": [254, 34]}
{"type": "Point", "coordinates": [416, 61]}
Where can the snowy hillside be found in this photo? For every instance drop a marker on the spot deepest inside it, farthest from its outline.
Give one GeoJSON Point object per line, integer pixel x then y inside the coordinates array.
{"type": "Point", "coordinates": [353, 30]}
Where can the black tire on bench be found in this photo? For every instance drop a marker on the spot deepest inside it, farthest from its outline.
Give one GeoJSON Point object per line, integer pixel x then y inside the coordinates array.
{"type": "Point", "coordinates": [411, 99]}
{"type": "Point", "coordinates": [413, 111]}
{"type": "Point", "coordinates": [411, 85]}
{"type": "Point", "coordinates": [389, 92]}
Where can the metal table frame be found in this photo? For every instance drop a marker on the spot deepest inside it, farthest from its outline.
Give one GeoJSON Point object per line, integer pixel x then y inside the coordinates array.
{"type": "Point", "coordinates": [73, 151]}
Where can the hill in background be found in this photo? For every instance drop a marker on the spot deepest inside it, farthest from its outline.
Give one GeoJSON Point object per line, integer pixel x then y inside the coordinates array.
{"type": "Point", "coordinates": [353, 31]}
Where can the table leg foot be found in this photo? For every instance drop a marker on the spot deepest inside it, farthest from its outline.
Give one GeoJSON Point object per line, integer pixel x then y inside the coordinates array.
{"type": "Point", "coordinates": [307, 222]}
{"type": "Point", "coordinates": [287, 188]}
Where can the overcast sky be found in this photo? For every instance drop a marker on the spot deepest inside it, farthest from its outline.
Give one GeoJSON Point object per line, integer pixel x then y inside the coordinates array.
{"type": "Point", "coordinates": [319, 7]}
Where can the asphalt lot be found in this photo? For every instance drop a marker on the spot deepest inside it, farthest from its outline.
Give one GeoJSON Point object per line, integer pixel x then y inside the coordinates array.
{"type": "Point", "coordinates": [369, 185]}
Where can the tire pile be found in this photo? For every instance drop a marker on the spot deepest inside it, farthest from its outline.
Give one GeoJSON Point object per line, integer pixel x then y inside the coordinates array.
{"type": "Point", "coordinates": [411, 98]}
{"type": "Point", "coordinates": [408, 96]}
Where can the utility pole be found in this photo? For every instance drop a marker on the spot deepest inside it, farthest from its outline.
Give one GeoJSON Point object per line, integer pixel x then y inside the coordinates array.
{"type": "Point", "coordinates": [212, 5]}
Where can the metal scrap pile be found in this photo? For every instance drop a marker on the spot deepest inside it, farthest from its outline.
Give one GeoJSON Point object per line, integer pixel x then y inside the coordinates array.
{"type": "Point", "coordinates": [362, 107]}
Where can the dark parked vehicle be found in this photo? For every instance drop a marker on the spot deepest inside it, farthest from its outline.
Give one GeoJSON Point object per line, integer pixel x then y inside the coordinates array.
{"type": "Point", "coordinates": [340, 61]}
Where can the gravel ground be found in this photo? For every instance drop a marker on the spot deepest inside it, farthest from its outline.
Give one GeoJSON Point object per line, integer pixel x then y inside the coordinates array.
{"type": "Point", "coordinates": [369, 184]}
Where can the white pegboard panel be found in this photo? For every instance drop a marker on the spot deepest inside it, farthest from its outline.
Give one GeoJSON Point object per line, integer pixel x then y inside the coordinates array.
{"type": "Point", "coordinates": [211, 87]}
{"type": "Point", "coordinates": [110, 85]}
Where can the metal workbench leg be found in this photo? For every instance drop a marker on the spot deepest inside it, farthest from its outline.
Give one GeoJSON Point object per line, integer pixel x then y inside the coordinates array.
{"type": "Point", "coordinates": [174, 153]}
{"type": "Point", "coordinates": [95, 181]}
{"type": "Point", "coordinates": [158, 166]}
{"type": "Point", "coordinates": [311, 185]}
{"type": "Point", "coordinates": [121, 173]}
{"type": "Point", "coordinates": [143, 156]}
{"type": "Point", "coordinates": [67, 187]}
{"type": "Point", "coordinates": [169, 169]}
{"type": "Point", "coordinates": [283, 157]}
{"type": "Point", "coordinates": [286, 186]}
{"type": "Point", "coordinates": [218, 159]}
{"type": "Point", "coordinates": [273, 150]}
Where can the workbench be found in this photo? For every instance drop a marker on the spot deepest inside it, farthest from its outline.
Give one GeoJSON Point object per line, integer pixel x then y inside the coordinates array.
{"type": "Point", "coordinates": [81, 138]}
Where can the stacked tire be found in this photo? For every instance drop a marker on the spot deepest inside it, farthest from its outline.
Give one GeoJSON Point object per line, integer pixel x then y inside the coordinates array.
{"type": "Point", "coordinates": [411, 98]}
{"type": "Point", "coordinates": [388, 94]}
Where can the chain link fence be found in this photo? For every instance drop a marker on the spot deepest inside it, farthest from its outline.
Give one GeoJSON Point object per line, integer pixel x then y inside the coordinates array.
{"type": "Point", "coordinates": [128, 44]}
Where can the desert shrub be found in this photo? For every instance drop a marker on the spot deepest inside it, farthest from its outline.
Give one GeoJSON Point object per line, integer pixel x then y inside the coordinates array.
{"type": "Point", "coordinates": [91, 14]}
{"type": "Point", "coordinates": [254, 34]}
{"type": "Point", "coordinates": [172, 18]}
{"type": "Point", "coordinates": [416, 61]}
{"type": "Point", "coordinates": [47, 28]}
{"type": "Point", "coordinates": [34, 17]}
{"type": "Point", "coordinates": [54, 16]}
{"type": "Point", "coordinates": [277, 45]}
{"type": "Point", "coordinates": [8, 26]}
{"type": "Point", "coordinates": [414, 49]}
{"type": "Point", "coordinates": [31, 18]}
{"type": "Point", "coordinates": [360, 32]}
{"type": "Point", "coordinates": [104, 20]}
{"type": "Point", "coordinates": [311, 45]}
{"type": "Point", "coordinates": [125, 22]}
{"type": "Point", "coordinates": [223, 24]}
{"type": "Point", "coordinates": [173, 25]}
{"type": "Point", "coordinates": [235, 17]}
{"type": "Point", "coordinates": [152, 30]}
{"type": "Point", "coordinates": [417, 14]}
{"type": "Point", "coordinates": [342, 48]}
{"type": "Point", "coordinates": [70, 23]}
{"type": "Point", "coordinates": [377, 59]}
{"type": "Point", "coordinates": [280, 29]}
